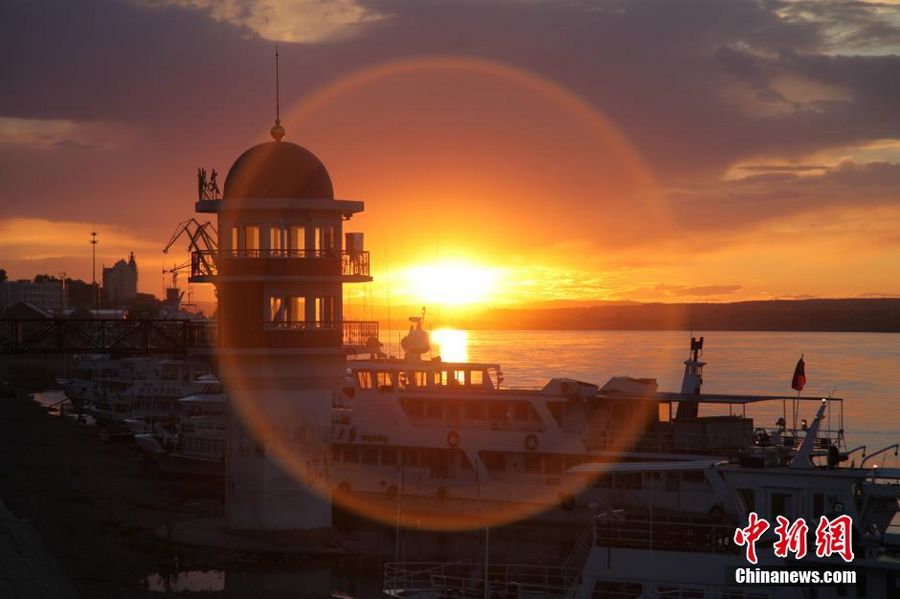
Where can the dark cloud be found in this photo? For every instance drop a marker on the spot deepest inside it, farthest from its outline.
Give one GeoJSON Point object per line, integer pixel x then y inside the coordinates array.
{"type": "Point", "coordinates": [697, 85]}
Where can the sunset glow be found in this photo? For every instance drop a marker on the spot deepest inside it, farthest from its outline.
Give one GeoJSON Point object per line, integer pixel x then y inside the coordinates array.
{"type": "Point", "coordinates": [451, 344]}
{"type": "Point", "coordinates": [451, 283]}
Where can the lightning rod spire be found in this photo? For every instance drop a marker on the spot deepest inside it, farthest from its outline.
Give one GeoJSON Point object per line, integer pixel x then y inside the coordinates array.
{"type": "Point", "coordinates": [277, 130]}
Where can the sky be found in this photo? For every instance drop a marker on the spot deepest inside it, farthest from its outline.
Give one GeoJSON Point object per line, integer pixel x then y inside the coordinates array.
{"type": "Point", "coordinates": [511, 152]}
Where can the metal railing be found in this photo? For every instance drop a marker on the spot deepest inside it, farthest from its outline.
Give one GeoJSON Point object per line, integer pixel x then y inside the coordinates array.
{"type": "Point", "coordinates": [119, 336]}
{"type": "Point", "coordinates": [670, 534]}
{"type": "Point", "coordinates": [162, 337]}
{"type": "Point", "coordinates": [205, 263]}
{"type": "Point", "coordinates": [466, 579]}
{"type": "Point", "coordinates": [354, 333]}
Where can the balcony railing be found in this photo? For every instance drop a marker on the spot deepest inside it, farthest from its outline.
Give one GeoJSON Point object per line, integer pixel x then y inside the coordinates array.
{"type": "Point", "coordinates": [355, 333]}
{"type": "Point", "coordinates": [207, 263]}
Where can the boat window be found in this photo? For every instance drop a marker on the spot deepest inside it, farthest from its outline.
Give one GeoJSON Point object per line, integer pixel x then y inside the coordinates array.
{"type": "Point", "coordinates": [672, 481]}
{"type": "Point", "coordinates": [474, 411]}
{"type": "Point", "coordinates": [532, 463]}
{"type": "Point", "coordinates": [694, 476]}
{"type": "Point", "coordinates": [385, 381]}
{"type": "Point", "coordinates": [556, 408]}
{"type": "Point", "coordinates": [370, 455]}
{"type": "Point", "coordinates": [235, 240]}
{"type": "Point", "coordinates": [434, 409]}
{"type": "Point", "coordinates": [413, 407]}
{"type": "Point", "coordinates": [818, 504]}
{"type": "Point", "coordinates": [476, 378]}
{"type": "Point", "coordinates": [609, 588]}
{"type": "Point", "coordinates": [628, 480]}
{"type": "Point", "coordinates": [780, 505]}
{"type": "Point", "coordinates": [493, 460]}
{"type": "Point", "coordinates": [420, 378]}
{"type": "Point", "coordinates": [463, 460]}
{"type": "Point", "coordinates": [388, 456]}
{"type": "Point", "coordinates": [410, 456]}
{"type": "Point", "coordinates": [350, 453]}
{"type": "Point", "coordinates": [364, 379]}
{"type": "Point", "coordinates": [665, 412]}
{"type": "Point", "coordinates": [553, 464]}
{"type": "Point", "coordinates": [524, 411]}
{"type": "Point", "coordinates": [497, 411]}
{"type": "Point", "coordinates": [453, 414]}
{"type": "Point", "coordinates": [748, 498]}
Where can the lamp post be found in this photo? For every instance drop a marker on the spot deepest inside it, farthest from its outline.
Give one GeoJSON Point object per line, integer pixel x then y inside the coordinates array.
{"type": "Point", "coordinates": [94, 288]}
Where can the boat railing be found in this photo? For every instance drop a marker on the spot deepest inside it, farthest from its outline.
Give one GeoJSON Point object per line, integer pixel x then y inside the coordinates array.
{"type": "Point", "coordinates": [659, 441]}
{"type": "Point", "coordinates": [689, 442]}
{"type": "Point", "coordinates": [668, 534]}
{"type": "Point", "coordinates": [467, 579]}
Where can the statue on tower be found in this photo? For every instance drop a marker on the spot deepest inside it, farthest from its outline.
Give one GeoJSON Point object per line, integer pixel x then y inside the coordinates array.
{"type": "Point", "coordinates": [208, 189]}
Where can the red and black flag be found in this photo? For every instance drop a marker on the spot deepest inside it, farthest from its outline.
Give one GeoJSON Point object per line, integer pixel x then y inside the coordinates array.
{"type": "Point", "coordinates": [799, 380]}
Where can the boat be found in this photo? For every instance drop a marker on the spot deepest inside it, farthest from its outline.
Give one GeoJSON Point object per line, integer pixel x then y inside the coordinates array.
{"type": "Point", "coordinates": [192, 440]}
{"type": "Point", "coordinates": [659, 552]}
{"type": "Point", "coordinates": [447, 438]}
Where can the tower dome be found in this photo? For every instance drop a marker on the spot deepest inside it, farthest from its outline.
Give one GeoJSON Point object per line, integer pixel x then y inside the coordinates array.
{"type": "Point", "coordinates": [278, 169]}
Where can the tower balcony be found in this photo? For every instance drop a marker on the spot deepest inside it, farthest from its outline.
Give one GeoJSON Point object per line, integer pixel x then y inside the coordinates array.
{"type": "Point", "coordinates": [353, 334]}
{"type": "Point", "coordinates": [351, 266]}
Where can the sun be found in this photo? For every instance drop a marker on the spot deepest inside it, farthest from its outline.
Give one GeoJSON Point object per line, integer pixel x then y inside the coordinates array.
{"type": "Point", "coordinates": [452, 283]}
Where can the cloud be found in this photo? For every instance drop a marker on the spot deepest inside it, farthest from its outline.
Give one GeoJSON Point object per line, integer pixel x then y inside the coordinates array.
{"type": "Point", "coordinates": [61, 133]}
{"type": "Point", "coordinates": [304, 21]}
{"type": "Point", "coordinates": [697, 291]}
{"type": "Point", "coordinates": [38, 239]}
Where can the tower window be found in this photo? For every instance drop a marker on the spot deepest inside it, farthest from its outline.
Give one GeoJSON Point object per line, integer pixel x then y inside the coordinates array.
{"type": "Point", "coordinates": [276, 238]}
{"type": "Point", "coordinates": [297, 309]}
{"type": "Point", "coordinates": [276, 309]}
{"type": "Point", "coordinates": [251, 239]}
{"type": "Point", "coordinates": [297, 238]}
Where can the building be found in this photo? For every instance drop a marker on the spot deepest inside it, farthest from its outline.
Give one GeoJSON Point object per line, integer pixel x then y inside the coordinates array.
{"type": "Point", "coordinates": [48, 296]}
{"type": "Point", "coordinates": [120, 281]}
{"type": "Point", "coordinates": [279, 273]}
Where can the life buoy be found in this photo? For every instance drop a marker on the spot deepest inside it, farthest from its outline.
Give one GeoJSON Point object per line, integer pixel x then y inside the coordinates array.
{"type": "Point", "coordinates": [453, 439]}
{"type": "Point", "coordinates": [531, 442]}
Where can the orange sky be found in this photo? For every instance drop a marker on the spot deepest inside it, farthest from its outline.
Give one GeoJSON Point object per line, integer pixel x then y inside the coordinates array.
{"type": "Point", "coordinates": [492, 182]}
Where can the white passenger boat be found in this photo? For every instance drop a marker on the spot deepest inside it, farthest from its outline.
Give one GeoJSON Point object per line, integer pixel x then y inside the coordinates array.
{"type": "Point", "coordinates": [446, 438]}
{"type": "Point", "coordinates": [660, 553]}
{"type": "Point", "coordinates": [192, 439]}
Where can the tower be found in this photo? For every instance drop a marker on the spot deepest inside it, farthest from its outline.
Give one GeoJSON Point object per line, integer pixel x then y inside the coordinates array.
{"type": "Point", "coordinates": [279, 272]}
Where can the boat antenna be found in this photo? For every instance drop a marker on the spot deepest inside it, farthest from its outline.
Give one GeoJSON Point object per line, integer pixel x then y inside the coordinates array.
{"type": "Point", "coordinates": [277, 130]}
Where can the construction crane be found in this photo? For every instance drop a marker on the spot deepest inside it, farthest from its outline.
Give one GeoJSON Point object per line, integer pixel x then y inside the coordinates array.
{"type": "Point", "coordinates": [199, 237]}
{"type": "Point", "coordinates": [202, 244]}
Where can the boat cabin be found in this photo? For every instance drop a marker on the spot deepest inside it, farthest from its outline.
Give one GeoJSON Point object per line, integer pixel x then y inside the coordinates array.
{"type": "Point", "coordinates": [387, 376]}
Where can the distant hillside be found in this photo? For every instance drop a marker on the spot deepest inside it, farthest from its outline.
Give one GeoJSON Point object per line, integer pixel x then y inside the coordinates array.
{"type": "Point", "coordinates": [852, 315]}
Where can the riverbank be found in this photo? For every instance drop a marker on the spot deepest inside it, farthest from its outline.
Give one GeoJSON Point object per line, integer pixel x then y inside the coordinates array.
{"type": "Point", "coordinates": [90, 502]}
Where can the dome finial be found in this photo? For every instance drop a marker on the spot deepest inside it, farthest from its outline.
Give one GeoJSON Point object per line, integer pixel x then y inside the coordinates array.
{"type": "Point", "coordinates": [277, 130]}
